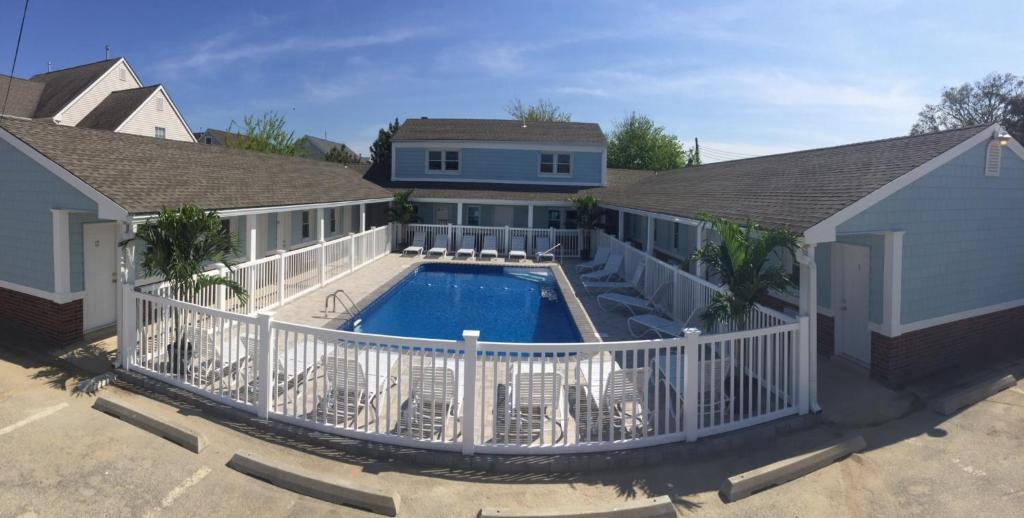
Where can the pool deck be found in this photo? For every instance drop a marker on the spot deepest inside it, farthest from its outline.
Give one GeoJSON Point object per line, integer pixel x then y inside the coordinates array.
{"type": "Point", "coordinates": [371, 281]}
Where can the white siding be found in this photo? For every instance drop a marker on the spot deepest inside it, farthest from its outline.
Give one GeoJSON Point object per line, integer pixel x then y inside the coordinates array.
{"type": "Point", "coordinates": [109, 82]}
{"type": "Point", "coordinates": [148, 118]}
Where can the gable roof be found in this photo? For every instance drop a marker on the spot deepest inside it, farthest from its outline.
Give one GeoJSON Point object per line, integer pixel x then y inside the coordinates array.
{"type": "Point", "coordinates": [23, 97]}
{"type": "Point", "coordinates": [324, 145]}
{"type": "Point", "coordinates": [116, 108]}
{"type": "Point", "coordinates": [62, 86]}
{"type": "Point", "coordinates": [143, 174]}
{"type": "Point", "coordinates": [497, 130]}
{"type": "Point", "coordinates": [790, 190]}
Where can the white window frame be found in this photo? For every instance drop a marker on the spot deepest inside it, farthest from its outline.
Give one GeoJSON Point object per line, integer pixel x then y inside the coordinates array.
{"type": "Point", "coordinates": [479, 214]}
{"type": "Point", "coordinates": [305, 228]}
{"type": "Point", "coordinates": [559, 219]}
{"type": "Point", "coordinates": [444, 161]}
{"type": "Point", "coordinates": [159, 132]}
{"type": "Point", "coordinates": [554, 164]}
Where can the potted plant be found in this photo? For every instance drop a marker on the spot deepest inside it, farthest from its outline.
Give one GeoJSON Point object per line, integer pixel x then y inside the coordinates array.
{"type": "Point", "coordinates": [742, 260]}
{"type": "Point", "coordinates": [587, 213]}
{"type": "Point", "coordinates": [179, 246]}
{"type": "Point", "coordinates": [402, 212]}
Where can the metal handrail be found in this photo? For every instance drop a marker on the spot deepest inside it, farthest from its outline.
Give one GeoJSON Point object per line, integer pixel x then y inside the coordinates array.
{"type": "Point", "coordinates": [333, 297]}
{"type": "Point", "coordinates": [548, 251]}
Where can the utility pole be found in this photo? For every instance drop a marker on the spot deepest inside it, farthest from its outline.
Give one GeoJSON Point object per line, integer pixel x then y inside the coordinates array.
{"type": "Point", "coordinates": [696, 150]}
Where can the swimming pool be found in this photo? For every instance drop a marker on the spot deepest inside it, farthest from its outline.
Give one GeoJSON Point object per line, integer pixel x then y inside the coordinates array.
{"type": "Point", "coordinates": [506, 304]}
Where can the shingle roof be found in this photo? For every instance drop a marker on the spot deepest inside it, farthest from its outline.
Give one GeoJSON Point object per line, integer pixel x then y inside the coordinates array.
{"type": "Point", "coordinates": [791, 190]}
{"type": "Point", "coordinates": [324, 145]}
{"type": "Point", "coordinates": [584, 133]}
{"type": "Point", "coordinates": [61, 86]}
{"type": "Point", "coordinates": [110, 113]}
{"type": "Point", "coordinates": [143, 174]}
{"type": "Point", "coordinates": [24, 96]}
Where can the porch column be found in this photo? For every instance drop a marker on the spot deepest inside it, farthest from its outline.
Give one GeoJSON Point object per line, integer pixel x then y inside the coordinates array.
{"type": "Point", "coordinates": [458, 214]}
{"type": "Point", "coordinates": [529, 216]}
{"type": "Point", "coordinates": [320, 224]}
{"type": "Point", "coordinates": [809, 309]}
{"type": "Point", "coordinates": [250, 224]}
{"type": "Point", "coordinates": [61, 253]}
{"type": "Point", "coordinates": [320, 242]}
{"type": "Point", "coordinates": [622, 225]}
{"type": "Point", "coordinates": [698, 243]}
{"type": "Point", "coordinates": [362, 217]}
{"type": "Point", "coordinates": [126, 285]}
{"type": "Point", "coordinates": [649, 241]}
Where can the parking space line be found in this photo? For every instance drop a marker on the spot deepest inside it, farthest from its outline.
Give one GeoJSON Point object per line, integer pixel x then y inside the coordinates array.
{"type": "Point", "coordinates": [180, 489]}
{"type": "Point", "coordinates": [32, 418]}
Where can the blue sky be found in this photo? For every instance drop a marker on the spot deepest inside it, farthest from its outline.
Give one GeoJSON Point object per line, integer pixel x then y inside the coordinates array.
{"type": "Point", "coordinates": [745, 77]}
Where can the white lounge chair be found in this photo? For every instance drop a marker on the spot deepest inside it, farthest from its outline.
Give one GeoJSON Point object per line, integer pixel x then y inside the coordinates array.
{"type": "Point", "coordinates": [468, 246]}
{"type": "Point", "coordinates": [635, 305]}
{"type": "Point", "coordinates": [614, 407]}
{"type": "Point", "coordinates": [599, 259]}
{"type": "Point", "coordinates": [419, 240]}
{"type": "Point", "coordinates": [517, 248]}
{"type": "Point", "coordinates": [661, 326]}
{"type": "Point", "coordinates": [610, 269]}
{"type": "Point", "coordinates": [536, 400]}
{"type": "Point", "coordinates": [432, 400]}
{"type": "Point", "coordinates": [490, 248]}
{"type": "Point", "coordinates": [634, 283]}
{"type": "Point", "coordinates": [440, 245]}
{"type": "Point", "coordinates": [543, 250]}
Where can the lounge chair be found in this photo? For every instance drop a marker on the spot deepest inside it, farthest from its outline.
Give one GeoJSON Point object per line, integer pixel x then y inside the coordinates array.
{"type": "Point", "coordinates": [634, 283]}
{"type": "Point", "coordinates": [611, 268]}
{"type": "Point", "coordinates": [599, 259]}
{"type": "Point", "coordinates": [517, 248]}
{"type": "Point", "coordinates": [615, 406]}
{"type": "Point", "coordinates": [543, 250]}
{"type": "Point", "coordinates": [346, 391]}
{"type": "Point", "coordinates": [490, 248]}
{"type": "Point", "coordinates": [635, 305]}
{"type": "Point", "coordinates": [216, 364]}
{"type": "Point", "coordinates": [440, 245]}
{"type": "Point", "coordinates": [419, 241]}
{"type": "Point", "coordinates": [292, 367]}
{"type": "Point", "coordinates": [536, 398]}
{"type": "Point", "coordinates": [431, 401]}
{"type": "Point", "coordinates": [468, 246]}
{"type": "Point", "coordinates": [661, 326]}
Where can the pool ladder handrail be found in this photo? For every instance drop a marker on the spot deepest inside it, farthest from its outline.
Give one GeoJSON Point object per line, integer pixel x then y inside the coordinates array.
{"type": "Point", "coordinates": [333, 297]}
{"type": "Point", "coordinates": [549, 250]}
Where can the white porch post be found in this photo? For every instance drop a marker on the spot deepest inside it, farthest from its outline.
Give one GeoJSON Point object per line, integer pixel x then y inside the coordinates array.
{"type": "Point", "coordinates": [458, 213]}
{"type": "Point", "coordinates": [125, 302]}
{"type": "Point", "coordinates": [320, 228]}
{"type": "Point", "coordinates": [61, 253]}
{"type": "Point", "coordinates": [250, 224]}
{"type": "Point", "coordinates": [362, 217]}
{"type": "Point", "coordinates": [649, 241]}
{"type": "Point", "coordinates": [808, 387]}
{"type": "Point", "coordinates": [622, 225]}
{"type": "Point", "coordinates": [529, 216]}
{"type": "Point", "coordinates": [697, 245]}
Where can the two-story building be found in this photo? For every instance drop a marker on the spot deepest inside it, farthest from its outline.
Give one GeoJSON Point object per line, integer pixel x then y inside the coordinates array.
{"type": "Point", "coordinates": [106, 95]}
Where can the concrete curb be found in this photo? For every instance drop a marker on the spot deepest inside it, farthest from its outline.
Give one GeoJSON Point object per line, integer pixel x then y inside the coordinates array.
{"type": "Point", "coordinates": [657, 507]}
{"type": "Point", "coordinates": [950, 403]}
{"type": "Point", "coordinates": [321, 486]}
{"type": "Point", "coordinates": [746, 484]}
{"type": "Point", "coordinates": [185, 437]}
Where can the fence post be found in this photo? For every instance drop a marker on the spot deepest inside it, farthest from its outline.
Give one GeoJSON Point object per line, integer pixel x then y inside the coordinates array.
{"type": "Point", "coordinates": [264, 368]}
{"type": "Point", "coordinates": [804, 365]}
{"type": "Point", "coordinates": [129, 334]}
{"type": "Point", "coordinates": [470, 339]}
{"type": "Point", "coordinates": [691, 398]}
{"type": "Point", "coordinates": [323, 262]}
{"type": "Point", "coordinates": [352, 253]}
{"type": "Point", "coordinates": [451, 238]}
{"type": "Point", "coordinates": [222, 291]}
{"type": "Point", "coordinates": [280, 277]}
{"type": "Point", "coordinates": [507, 231]}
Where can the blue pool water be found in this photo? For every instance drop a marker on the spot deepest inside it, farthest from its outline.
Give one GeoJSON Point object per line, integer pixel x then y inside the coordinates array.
{"type": "Point", "coordinates": [441, 300]}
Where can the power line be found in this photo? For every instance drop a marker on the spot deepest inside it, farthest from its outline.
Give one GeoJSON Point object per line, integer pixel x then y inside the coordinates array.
{"type": "Point", "coordinates": [17, 47]}
{"type": "Point", "coordinates": [728, 153]}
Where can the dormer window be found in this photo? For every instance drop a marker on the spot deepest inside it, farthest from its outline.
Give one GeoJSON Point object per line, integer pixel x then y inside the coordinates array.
{"type": "Point", "coordinates": [556, 163]}
{"type": "Point", "coordinates": [443, 161]}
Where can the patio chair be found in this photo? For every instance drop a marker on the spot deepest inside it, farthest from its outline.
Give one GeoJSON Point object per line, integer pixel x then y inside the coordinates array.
{"type": "Point", "coordinates": [468, 246]}
{"type": "Point", "coordinates": [535, 399]}
{"type": "Point", "coordinates": [610, 269]}
{"type": "Point", "coordinates": [543, 249]}
{"type": "Point", "coordinates": [615, 407]}
{"type": "Point", "coordinates": [419, 241]}
{"type": "Point", "coordinates": [291, 368]}
{"type": "Point", "coordinates": [635, 305]}
{"type": "Point", "coordinates": [661, 326]}
{"type": "Point", "coordinates": [600, 257]}
{"type": "Point", "coordinates": [217, 363]}
{"type": "Point", "coordinates": [431, 401]}
{"type": "Point", "coordinates": [517, 248]}
{"type": "Point", "coordinates": [440, 245]}
{"type": "Point", "coordinates": [490, 248]}
{"type": "Point", "coordinates": [605, 285]}
{"type": "Point", "coordinates": [349, 389]}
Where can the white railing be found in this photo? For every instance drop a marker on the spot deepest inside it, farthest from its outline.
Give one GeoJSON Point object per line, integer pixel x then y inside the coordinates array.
{"type": "Point", "coordinates": [678, 293]}
{"type": "Point", "coordinates": [471, 396]}
{"type": "Point", "coordinates": [303, 270]}
{"type": "Point", "coordinates": [570, 241]}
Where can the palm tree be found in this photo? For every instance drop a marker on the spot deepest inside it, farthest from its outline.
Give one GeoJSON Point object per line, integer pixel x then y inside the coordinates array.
{"type": "Point", "coordinates": [179, 246]}
{"type": "Point", "coordinates": [586, 217]}
{"type": "Point", "coordinates": [742, 260]}
{"type": "Point", "coordinates": [402, 211]}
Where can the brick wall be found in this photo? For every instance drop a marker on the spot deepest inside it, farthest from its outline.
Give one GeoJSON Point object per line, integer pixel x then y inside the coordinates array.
{"type": "Point", "coordinates": [57, 324]}
{"type": "Point", "coordinates": [903, 359]}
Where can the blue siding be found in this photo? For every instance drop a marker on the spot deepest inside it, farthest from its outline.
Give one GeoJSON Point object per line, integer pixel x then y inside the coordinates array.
{"type": "Point", "coordinates": [964, 238]}
{"type": "Point", "coordinates": [28, 192]}
{"type": "Point", "coordinates": [497, 165]}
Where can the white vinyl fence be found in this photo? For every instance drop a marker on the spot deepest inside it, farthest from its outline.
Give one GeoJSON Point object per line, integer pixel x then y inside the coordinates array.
{"type": "Point", "coordinates": [471, 396]}
{"type": "Point", "coordinates": [303, 270]}
{"type": "Point", "coordinates": [569, 241]}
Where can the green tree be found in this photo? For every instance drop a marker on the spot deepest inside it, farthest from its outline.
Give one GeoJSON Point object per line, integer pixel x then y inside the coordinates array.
{"type": "Point", "coordinates": [1014, 122]}
{"type": "Point", "coordinates": [402, 211]}
{"type": "Point", "coordinates": [266, 134]}
{"type": "Point", "coordinates": [638, 143]}
{"type": "Point", "coordinates": [341, 156]}
{"type": "Point", "coordinates": [544, 110]}
{"type": "Point", "coordinates": [587, 212]}
{"type": "Point", "coordinates": [996, 98]}
{"type": "Point", "coordinates": [380, 150]}
{"type": "Point", "coordinates": [742, 260]}
{"type": "Point", "coordinates": [179, 246]}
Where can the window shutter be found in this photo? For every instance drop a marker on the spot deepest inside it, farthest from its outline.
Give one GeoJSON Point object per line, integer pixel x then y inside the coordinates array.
{"type": "Point", "coordinates": [993, 159]}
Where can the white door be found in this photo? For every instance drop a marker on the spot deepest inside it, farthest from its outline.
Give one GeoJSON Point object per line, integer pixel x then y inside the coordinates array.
{"type": "Point", "coordinates": [503, 216]}
{"type": "Point", "coordinates": [284, 230]}
{"type": "Point", "coordinates": [850, 280]}
{"type": "Point", "coordinates": [99, 241]}
{"type": "Point", "coordinates": [261, 234]}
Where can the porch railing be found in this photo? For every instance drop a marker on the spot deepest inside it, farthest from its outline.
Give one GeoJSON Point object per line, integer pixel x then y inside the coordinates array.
{"type": "Point", "coordinates": [570, 240]}
{"type": "Point", "coordinates": [469, 396]}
